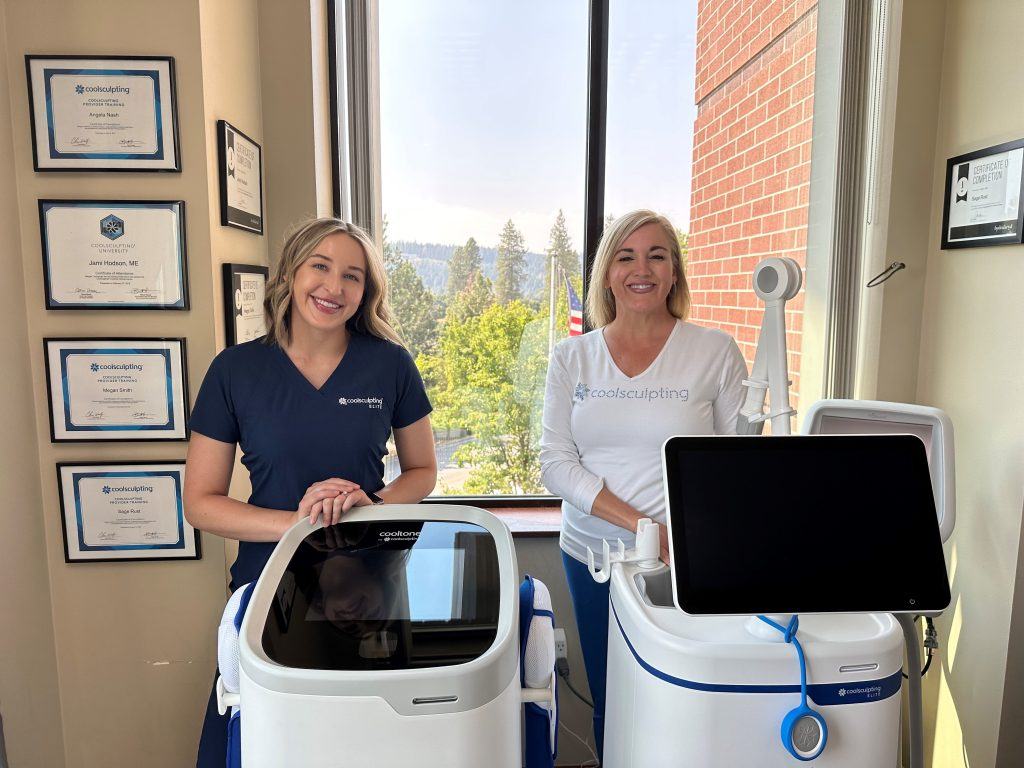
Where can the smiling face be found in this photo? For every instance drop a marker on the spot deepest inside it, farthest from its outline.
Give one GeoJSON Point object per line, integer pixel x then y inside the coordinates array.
{"type": "Point", "coordinates": [328, 287]}
{"type": "Point", "coordinates": [641, 273]}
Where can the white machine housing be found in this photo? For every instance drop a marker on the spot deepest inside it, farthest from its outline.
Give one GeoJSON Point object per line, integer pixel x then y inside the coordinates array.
{"type": "Point", "coordinates": [707, 693]}
{"type": "Point", "coordinates": [711, 692]}
{"type": "Point", "coordinates": [437, 717]}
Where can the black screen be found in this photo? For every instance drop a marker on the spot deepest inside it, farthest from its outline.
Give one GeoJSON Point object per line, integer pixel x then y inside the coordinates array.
{"type": "Point", "coordinates": [803, 524]}
{"type": "Point", "coordinates": [386, 595]}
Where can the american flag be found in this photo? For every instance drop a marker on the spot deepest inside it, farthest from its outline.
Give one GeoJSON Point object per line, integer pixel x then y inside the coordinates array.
{"type": "Point", "coordinates": [575, 311]}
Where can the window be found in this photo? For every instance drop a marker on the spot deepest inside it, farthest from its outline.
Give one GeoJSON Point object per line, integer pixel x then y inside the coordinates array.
{"type": "Point", "coordinates": [507, 132]}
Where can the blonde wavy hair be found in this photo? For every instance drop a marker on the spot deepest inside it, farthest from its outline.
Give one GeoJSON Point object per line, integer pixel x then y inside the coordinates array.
{"type": "Point", "coordinates": [374, 315]}
{"type": "Point", "coordinates": [600, 302]}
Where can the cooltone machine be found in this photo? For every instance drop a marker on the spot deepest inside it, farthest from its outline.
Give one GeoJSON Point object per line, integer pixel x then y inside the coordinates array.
{"type": "Point", "coordinates": [389, 639]}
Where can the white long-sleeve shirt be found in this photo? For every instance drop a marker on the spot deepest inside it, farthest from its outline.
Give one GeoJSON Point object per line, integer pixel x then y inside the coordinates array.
{"type": "Point", "coordinates": [605, 429]}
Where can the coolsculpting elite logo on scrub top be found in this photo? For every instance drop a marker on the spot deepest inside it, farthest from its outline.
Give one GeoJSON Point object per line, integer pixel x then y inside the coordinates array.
{"type": "Point", "coordinates": [371, 402]}
{"type": "Point", "coordinates": [582, 392]}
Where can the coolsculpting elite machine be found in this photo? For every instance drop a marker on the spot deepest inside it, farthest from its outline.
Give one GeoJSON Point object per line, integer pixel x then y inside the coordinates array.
{"type": "Point", "coordinates": [390, 639]}
{"type": "Point", "coordinates": [843, 530]}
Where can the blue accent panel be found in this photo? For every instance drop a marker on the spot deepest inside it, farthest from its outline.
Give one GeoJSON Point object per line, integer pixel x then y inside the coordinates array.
{"type": "Point", "coordinates": [822, 694]}
{"type": "Point", "coordinates": [77, 477]}
{"type": "Point", "coordinates": [243, 606]}
{"type": "Point", "coordinates": [153, 74]}
{"type": "Point", "coordinates": [167, 426]}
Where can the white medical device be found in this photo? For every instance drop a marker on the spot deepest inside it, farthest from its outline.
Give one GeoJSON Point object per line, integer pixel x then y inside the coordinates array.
{"type": "Point", "coordinates": [390, 639]}
{"type": "Point", "coordinates": [723, 691]}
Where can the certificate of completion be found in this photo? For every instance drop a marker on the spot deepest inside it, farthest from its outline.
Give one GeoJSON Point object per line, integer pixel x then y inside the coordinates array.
{"type": "Point", "coordinates": [245, 287]}
{"type": "Point", "coordinates": [106, 113]}
{"type": "Point", "coordinates": [113, 255]}
{"type": "Point", "coordinates": [983, 205]}
{"type": "Point", "coordinates": [241, 179]}
{"type": "Point", "coordinates": [128, 511]}
{"type": "Point", "coordinates": [116, 389]}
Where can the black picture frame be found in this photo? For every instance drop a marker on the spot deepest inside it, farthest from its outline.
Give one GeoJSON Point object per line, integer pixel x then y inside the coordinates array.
{"type": "Point", "coordinates": [229, 215]}
{"type": "Point", "coordinates": [232, 274]}
{"type": "Point", "coordinates": [987, 233]}
{"type": "Point", "coordinates": [135, 435]}
{"type": "Point", "coordinates": [45, 204]}
{"type": "Point", "coordinates": [101, 163]}
{"type": "Point", "coordinates": [118, 554]}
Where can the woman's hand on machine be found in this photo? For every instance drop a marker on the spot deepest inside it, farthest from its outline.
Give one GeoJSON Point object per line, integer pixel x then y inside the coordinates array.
{"type": "Point", "coordinates": [328, 499]}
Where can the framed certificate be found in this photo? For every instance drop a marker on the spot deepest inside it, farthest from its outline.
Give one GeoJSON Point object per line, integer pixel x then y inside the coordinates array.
{"type": "Point", "coordinates": [103, 113]}
{"type": "Point", "coordinates": [245, 287]}
{"type": "Point", "coordinates": [114, 254]}
{"type": "Point", "coordinates": [983, 197]}
{"type": "Point", "coordinates": [103, 390]}
{"type": "Point", "coordinates": [131, 510]}
{"type": "Point", "coordinates": [241, 179]}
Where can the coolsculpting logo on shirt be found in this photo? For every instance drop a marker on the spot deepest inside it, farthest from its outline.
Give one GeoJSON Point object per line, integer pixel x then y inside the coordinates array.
{"type": "Point", "coordinates": [376, 403]}
{"type": "Point", "coordinates": [582, 392]}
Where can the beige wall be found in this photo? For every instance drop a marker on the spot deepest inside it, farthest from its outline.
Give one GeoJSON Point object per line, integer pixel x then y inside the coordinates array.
{"type": "Point", "coordinates": [952, 337]}
{"type": "Point", "coordinates": [29, 699]}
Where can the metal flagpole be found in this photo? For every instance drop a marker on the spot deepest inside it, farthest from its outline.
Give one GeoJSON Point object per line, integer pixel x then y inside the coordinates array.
{"type": "Point", "coordinates": [551, 305]}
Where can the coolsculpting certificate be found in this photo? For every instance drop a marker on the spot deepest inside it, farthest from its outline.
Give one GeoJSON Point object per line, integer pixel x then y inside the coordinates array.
{"type": "Point", "coordinates": [113, 255]}
{"type": "Point", "coordinates": [116, 389]}
{"type": "Point", "coordinates": [983, 198]}
{"type": "Point", "coordinates": [128, 511]}
{"type": "Point", "coordinates": [109, 113]}
{"type": "Point", "coordinates": [241, 172]}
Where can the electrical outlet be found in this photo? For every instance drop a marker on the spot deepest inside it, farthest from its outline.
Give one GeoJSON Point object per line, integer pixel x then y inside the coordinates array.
{"type": "Point", "coordinates": [561, 646]}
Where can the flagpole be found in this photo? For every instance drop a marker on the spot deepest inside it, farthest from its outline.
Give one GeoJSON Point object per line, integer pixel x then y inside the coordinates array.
{"type": "Point", "coordinates": [551, 306]}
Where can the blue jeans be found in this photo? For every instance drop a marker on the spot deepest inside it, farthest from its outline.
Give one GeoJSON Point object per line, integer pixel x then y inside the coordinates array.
{"type": "Point", "coordinates": [590, 604]}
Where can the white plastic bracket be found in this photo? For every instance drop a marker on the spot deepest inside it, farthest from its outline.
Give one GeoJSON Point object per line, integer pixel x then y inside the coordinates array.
{"type": "Point", "coordinates": [644, 554]}
{"type": "Point", "coordinates": [225, 699]}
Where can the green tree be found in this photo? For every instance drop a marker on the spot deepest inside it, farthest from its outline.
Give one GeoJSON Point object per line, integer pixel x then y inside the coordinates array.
{"type": "Point", "coordinates": [391, 254]}
{"type": "Point", "coordinates": [565, 256]}
{"type": "Point", "coordinates": [464, 262]}
{"type": "Point", "coordinates": [414, 306]}
{"type": "Point", "coordinates": [473, 299]}
{"type": "Point", "coordinates": [487, 376]}
{"type": "Point", "coordinates": [511, 264]}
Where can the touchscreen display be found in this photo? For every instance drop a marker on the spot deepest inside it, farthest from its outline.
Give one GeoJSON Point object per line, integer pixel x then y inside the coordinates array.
{"type": "Point", "coordinates": [386, 595]}
{"type": "Point", "coordinates": [803, 524]}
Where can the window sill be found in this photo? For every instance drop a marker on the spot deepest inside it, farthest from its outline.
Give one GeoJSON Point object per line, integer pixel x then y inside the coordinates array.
{"type": "Point", "coordinates": [529, 521]}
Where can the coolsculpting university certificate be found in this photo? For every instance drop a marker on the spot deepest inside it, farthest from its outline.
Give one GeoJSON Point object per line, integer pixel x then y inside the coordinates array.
{"type": "Point", "coordinates": [113, 255]}
{"type": "Point", "coordinates": [983, 198]}
{"type": "Point", "coordinates": [106, 113]}
{"type": "Point", "coordinates": [116, 389]}
{"type": "Point", "coordinates": [129, 511]}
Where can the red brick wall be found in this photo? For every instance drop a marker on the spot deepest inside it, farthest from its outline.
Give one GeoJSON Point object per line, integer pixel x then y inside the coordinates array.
{"type": "Point", "coordinates": [751, 159]}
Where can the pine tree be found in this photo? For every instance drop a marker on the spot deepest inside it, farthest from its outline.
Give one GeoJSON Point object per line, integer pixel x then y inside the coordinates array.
{"type": "Point", "coordinates": [560, 248]}
{"type": "Point", "coordinates": [511, 264]}
{"type": "Point", "coordinates": [464, 262]}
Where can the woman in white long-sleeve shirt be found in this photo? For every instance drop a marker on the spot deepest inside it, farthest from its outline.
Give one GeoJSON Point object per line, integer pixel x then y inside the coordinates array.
{"type": "Point", "coordinates": [614, 395]}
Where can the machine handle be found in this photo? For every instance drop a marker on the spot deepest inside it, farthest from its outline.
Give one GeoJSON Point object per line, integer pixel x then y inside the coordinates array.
{"type": "Point", "coordinates": [225, 700]}
{"type": "Point", "coordinates": [538, 695]}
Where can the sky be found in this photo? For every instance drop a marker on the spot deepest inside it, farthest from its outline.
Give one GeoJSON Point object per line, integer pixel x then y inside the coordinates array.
{"type": "Point", "coordinates": [483, 115]}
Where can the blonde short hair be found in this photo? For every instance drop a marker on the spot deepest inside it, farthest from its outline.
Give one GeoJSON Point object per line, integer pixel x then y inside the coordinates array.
{"type": "Point", "coordinates": [600, 302]}
{"type": "Point", "coordinates": [374, 314]}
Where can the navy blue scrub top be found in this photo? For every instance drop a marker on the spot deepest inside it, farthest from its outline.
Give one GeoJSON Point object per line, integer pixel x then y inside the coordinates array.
{"type": "Point", "coordinates": [293, 435]}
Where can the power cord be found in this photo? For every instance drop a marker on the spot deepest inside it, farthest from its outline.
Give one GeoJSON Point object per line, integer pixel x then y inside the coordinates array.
{"type": "Point", "coordinates": [931, 644]}
{"type": "Point", "coordinates": [562, 667]}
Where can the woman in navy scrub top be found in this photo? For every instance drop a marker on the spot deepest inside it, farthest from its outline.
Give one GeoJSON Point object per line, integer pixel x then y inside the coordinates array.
{"type": "Point", "coordinates": [311, 405]}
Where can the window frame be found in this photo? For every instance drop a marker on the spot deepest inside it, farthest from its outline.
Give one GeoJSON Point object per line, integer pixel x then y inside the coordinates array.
{"type": "Point", "coordinates": [835, 251]}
